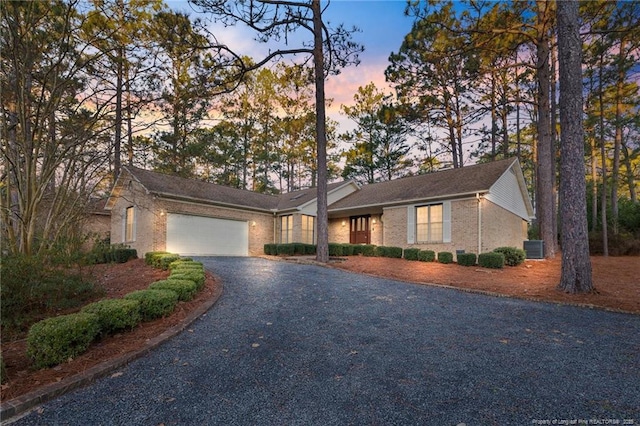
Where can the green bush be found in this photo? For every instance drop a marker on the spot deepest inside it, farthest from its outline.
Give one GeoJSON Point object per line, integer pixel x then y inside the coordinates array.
{"type": "Point", "coordinates": [335, 249]}
{"type": "Point", "coordinates": [154, 303]}
{"type": "Point", "coordinates": [115, 314]}
{"type": "Point", "coordinates": [150, 256]}
{"type": "Point", "coordinates": [467, 259]}
{"type": "Point", "coordinates": [271, 249]}
{"type": "Point", "coordinates": [492, 260]}
{"type": "Point", "coordinates": [426, 255]}
{"type": "Point", "coordinates": [512, 256]}
{"type": "Point", "coordinates": [31, 290]}
{"type": "Point", "coordinates": [368, 250]}
{"type": "Point", "coordinates": [348, 249]}
{"type": "Point", "coordinates": [196, 276]}
{"type": "Point", "coordinates": [445, 257]}
{"type": "Point", "coordinates": [298, 249]}
{"type": "Point", "coordinates": [3, 371]}
{"type": "Point", "coordinates": [123, 254]}
{"type": "Point", "coordinates": [394, 252]}
{"type": "Point", "coordinates": [357, 249]}
{"type": "Point", "coordinates": [56, 340]}
{"type": "Point", "coordinates": [184, 263]}
{"type": "Point", "coordinates": [309, 249]}
{"type": "Point", "coordinates": [100, 253]}
{"type": "Point", "coordinates": [285, 249]}
{"type": "Point", "coordinates": [188, 269]}
{"type": "Point", "coordinates": [185, 289]}
{"type": "Point", "coordinates": [164, 260]}
{"type": "Point", "coordinates": [411, 253]}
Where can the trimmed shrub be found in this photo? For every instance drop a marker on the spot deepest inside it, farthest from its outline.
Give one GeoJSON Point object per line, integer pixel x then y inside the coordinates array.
{"type": "Point", "coordinates": [56, 340]}
{"type": "Point", "coordinates": [192, 266]}
{"type": "Point", "coordinates": [185, 289]}
{"type": "Point", "coordinates": [3, 371]}
{"type": "Point", "coordinates": [285, 249]}
{"type": "Point", "coordinates": [309, 249]}
{"type": "Point", "coordinates": [445, 257]}
{"type": "Point", "coordinates": [426, 255]}
{"type": "Point", "coordinates": [348, 249]}
{"type": "Point", "coordinates": [384, 251]}
{"type": "Point", "coordinates": [467, 259]}
{"type": "Point", "coordinates": [184, 263]}
{"type": "Point", "coordinates": [154, 303]}
{"type": "Point", "coordinates": [298, 249]}
{"type": "Point", "coordinates": [335, 249]}
{"type": "Point", "coordinates": [270, 249]}
{"type": "Point", "coordinates": [196, 276]}
{"type": "Point", "coordinates": [512, 256]}
{"type": "Point", "coordinates": [164, 260]}
{"type": "Point", "coordinates": [357, 249]}
{"type": "Point", "coordinates": [149, 257]}
{"type": "Point", "coordinates": [115, 314]}
{"type": "Point", "coordinates": [123, 254]}
{"type": "Point", "coordinates": [411, 253]}
{"type": "Point", "coordinates": [368, 250]}
{"type": "Point", "coordinates": [491, 260]}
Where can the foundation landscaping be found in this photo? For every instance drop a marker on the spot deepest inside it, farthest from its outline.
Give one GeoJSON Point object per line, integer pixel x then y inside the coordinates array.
{"type": "Point", "coordinates": [497, 259]}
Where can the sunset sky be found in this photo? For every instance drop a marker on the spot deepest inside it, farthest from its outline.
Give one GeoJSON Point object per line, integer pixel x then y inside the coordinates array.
{"type": "Point", "coordinates": [382, 24]}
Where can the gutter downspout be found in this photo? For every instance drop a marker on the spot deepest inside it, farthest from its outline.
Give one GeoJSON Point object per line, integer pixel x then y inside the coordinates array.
{"type": "Point", "coordinates": [274, 227]}
{"type": "Point", "coordinates": [479, 222]}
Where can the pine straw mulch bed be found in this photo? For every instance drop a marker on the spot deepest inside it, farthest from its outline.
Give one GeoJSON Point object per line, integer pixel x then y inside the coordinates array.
{"type": "Point", "coordinates": [117, 280]}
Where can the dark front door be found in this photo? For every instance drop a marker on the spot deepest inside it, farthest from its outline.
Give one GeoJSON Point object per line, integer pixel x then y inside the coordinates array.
{"type": "Point", "coordinates": [360, 232]}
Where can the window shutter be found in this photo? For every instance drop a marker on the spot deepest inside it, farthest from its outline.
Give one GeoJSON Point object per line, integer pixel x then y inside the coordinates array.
{"type": "Point", "coordinates": [411, 224]}
{"type": "Point", "coordinates": [446, 222]}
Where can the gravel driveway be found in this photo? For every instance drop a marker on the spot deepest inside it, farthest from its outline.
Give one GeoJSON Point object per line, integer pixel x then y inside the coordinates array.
{"type": "Point", "coordinates": [291, 344]}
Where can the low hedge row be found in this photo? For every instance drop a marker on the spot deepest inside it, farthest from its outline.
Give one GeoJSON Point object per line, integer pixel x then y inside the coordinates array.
{"type": "Point", "coordinates": [58, 339]}
{"type": "Point", "coordinates": [105, 253]}
{"type": "Point", "coordinates": [115, 315]}
{"type": "Point", "coordinates": [160, 259]}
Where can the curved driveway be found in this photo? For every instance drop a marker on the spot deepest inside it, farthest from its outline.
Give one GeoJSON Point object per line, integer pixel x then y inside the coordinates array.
{"type": "Point", "coordinates": [291, 344]}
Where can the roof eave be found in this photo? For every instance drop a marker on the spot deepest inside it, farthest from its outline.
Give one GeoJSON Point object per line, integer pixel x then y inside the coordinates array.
{"type": "Point", "coordinates": [211, 202]}
{"type": "Point", "coordinates": [413, 201]}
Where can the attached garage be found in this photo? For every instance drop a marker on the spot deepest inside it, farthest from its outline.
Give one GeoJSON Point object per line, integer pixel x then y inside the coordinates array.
{"type": "Point", "coordinates": [206, 236]}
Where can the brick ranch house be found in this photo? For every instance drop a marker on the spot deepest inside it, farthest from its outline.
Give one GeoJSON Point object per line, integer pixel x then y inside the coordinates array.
{"type": "Point", "coordinates": [475, 208]}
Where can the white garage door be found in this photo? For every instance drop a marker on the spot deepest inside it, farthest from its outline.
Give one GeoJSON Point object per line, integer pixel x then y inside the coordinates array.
{"type": "Point", "coordinates": [206, 236]}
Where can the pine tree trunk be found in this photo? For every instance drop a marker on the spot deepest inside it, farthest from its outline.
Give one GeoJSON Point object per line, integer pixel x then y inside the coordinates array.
{"type": "Point", "coordinates": [545, 207]}
{"type": "Point", "coordinates": [576, 265]}
{"type": "Point", "coordinates": [322, 254]}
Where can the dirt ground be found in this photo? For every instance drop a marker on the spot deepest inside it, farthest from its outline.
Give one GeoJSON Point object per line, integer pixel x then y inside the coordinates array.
{"type": "Point", "coordinates": [616, 279]}
{"type": "Point", "coordinates": [617, 282]}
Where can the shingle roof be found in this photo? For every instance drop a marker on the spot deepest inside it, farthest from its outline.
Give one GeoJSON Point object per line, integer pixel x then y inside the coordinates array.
{"type": "Point", "coordinates": [178, 187]}
{"type": "Point", "coordinates": [465, 180]}
{"type": "Point", "coordinates": [174, 186]}
{"type": "Point", "coordinates": [294, 199]}
{"type": "Point", "coordinates": [447, 183]}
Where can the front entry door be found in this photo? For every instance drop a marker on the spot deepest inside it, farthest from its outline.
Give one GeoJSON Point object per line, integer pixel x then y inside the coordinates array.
{"type": "Point", "coordinates": [360, 232]}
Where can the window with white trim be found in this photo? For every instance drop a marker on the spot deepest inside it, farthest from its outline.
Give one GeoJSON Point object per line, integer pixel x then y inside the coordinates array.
{"type": "Point", "coordinates": [130, 224]}
{"type": "Point", "coordinates": [308, 229]}
{"type": "Point", "coordinates": [286, 229]}
{"type": "Point", "coordinates": [429, 224]}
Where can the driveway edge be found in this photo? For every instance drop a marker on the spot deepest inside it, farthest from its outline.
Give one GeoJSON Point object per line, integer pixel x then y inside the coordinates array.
{"type": "Point", "coordinates": [23, 403]}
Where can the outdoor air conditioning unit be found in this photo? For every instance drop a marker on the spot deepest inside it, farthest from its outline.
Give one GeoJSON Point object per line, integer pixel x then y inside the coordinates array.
{"type": "Point", "coordinates": [534, 249]}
